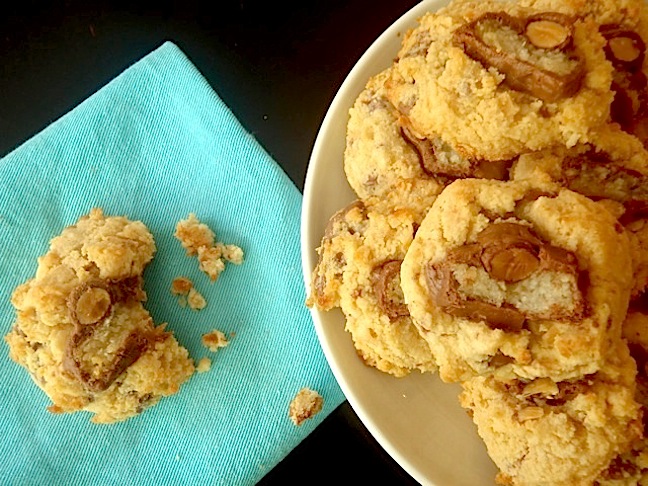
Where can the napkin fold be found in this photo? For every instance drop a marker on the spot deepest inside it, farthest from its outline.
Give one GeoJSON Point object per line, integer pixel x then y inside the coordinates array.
{"type": "Point", "coordinates": [155, 144]}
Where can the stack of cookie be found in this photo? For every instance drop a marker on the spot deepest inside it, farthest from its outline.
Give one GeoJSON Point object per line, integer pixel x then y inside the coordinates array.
{"type": "Point", "coordinates": [500, 233]}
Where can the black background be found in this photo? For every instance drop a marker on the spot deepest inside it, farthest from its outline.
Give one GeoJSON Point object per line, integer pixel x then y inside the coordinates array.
{"type": "Point", "coordinates": [277, 65]}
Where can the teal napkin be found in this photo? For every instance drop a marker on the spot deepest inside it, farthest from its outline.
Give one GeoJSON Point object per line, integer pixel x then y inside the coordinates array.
{"type": "Point", "coordinates": [155, 144]}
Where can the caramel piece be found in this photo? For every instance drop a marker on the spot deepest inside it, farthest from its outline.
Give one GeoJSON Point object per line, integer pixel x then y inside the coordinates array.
{"type": "Point", "coordinates": [425, 149]}
{"type": "Point", "coordinates": [443, 290]}
{"type": "Point", "coordinates": [386, 284]}
{"type": "Point", "coordinates": [634, 210]}
{"type": "Point", "coordinates": [522, 75]}
{"type": "Point", "coordinates": [90, 304]}
{"type": "Point", "coordinates": [596, 176]}
{"type": "Point", "coordinates": [338, 219]}
{"type": "Point", "coordinates": [336, 225]}
{"type": "Point", "coordinates": [512, 264]}
{"type": "Point", "coordinates": [509, 252]}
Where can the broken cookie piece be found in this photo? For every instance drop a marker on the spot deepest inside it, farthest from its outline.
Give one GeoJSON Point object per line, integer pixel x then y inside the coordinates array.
{"type": "Point", "coordinates": [81, 329]}
{"type": "Point", "coordinates": [199, 240]}
{"type": "Point", "coordinates": [204, 365]}
{"type": "Point", "coordinates": [305, 405]}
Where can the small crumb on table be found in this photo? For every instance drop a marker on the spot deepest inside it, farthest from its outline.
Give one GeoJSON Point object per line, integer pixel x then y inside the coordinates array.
{"type": "Point", "coordinates": [214, 340]}
{"type": "Point", "coordinates": [305, 405]}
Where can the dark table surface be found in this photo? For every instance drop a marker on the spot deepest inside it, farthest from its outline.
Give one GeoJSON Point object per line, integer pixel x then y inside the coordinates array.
{"type": "Point", "coordinates": [277, 65]}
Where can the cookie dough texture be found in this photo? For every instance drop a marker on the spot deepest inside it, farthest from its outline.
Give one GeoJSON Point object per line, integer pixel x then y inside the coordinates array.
{"type": "Point", "coordinates": [361, 269]}
{"type": "Point", "coordinates": [444, 92]}
{"type": "Point", "coordinates": [562, 433]}
{"type": "Point", "coordinates": [81, 330]}
{"type": "Point", "coordinates": [564, 328]}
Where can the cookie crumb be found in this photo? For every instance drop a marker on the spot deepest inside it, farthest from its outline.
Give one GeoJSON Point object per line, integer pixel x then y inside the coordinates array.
{"type": "Point", "coordinates": [195, 300]}
{"type": "Point", "coordinates": [231, 253]}
{"type": "Point", "coordinates": [181, 286]}
{"type": "Point", "coordinates": [305, 405]}
{"type": "Point", "coordinates": [193, 234]}
{"type": "Point", "coordinates": [187, 294]}
{"type": "Point", "coordinates": [198, 239]}
{"type": "Point", "coordinates": [210, 262]}
{"type": "Point", "coordinates": [204, 365]}
{"type": "Point", "coordinates": [214, 340]}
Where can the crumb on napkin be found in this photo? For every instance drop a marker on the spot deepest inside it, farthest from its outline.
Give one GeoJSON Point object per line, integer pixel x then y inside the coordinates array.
{"type": "Point", "coordinates": [203, 365]}
{"type": "Point", "coordinates": [187, 294]}
{"type": "Point", "coordinates": [214, 340]}
{"type": "Point", "coordinates": [305, 405]}
{"type": "Point", "coordinates": [199, 240]}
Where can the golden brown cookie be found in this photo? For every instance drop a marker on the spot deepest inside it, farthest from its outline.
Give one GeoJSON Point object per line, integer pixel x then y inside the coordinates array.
{"type": "Point", "coordinates": [614, 168]}
{"type": "Point", "coordinates": [523, 280]}
{"type": "Point", "coordinates": [81, 329]}
{"type": "Point", "coordinates": [366, 266]}
{"type": "Point", "coordinates": [541, 432]}
{"type": "Point", "coordinates": [496, 79]}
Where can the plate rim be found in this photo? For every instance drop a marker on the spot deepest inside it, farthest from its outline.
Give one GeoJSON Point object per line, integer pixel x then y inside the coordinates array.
{"type": "Point", "coordinates": [346, 91]}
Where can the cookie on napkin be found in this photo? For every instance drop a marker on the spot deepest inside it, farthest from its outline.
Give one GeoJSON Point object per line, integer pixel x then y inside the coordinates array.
{"type": "Point", "coordinates": [156, 144]}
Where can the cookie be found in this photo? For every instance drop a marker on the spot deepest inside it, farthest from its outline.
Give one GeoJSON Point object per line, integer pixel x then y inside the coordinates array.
{"type": "Point", "coordinates": [614, 168]}
{"type": "Point", "coordinates": [369, 289]}
{"type": "Point", "coordinates": [377, 156]}
{"type": "Point", "coordinates": [542, 432]}
{"type": "Point", "coordinates": [631, 466]}
{"type": "Point", "coordinates": [625, 48]}
{"type": "Point", "coordinates": [341, 238]}
{"type": "Point", "coordinates": [81, 330]}
{"type": "Point", "coordinates": [383, 153]}
{"type": "Point", "coordinates": [496, 79]}
{"type": "Point", "coordinates": [524, 280]}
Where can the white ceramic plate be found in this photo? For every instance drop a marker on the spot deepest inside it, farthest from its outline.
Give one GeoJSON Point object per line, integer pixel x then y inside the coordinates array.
{"type": "Point", "coordinates": [416, 419]}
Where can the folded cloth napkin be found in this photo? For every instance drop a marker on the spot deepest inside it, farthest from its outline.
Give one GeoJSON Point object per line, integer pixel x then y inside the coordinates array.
{"type": "Point", "coordinates": [156, 144]}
